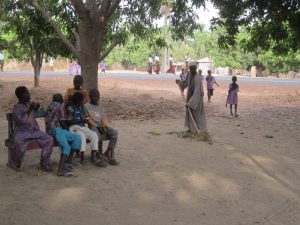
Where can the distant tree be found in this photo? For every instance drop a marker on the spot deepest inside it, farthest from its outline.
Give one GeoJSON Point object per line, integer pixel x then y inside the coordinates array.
{"type": "Point", "coordinates": [31, 37]}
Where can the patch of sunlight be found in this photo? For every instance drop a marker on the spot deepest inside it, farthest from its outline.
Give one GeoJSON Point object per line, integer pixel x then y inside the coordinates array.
{"type": "Point", "coordinates": [184, 197]}
{"type": "Point", "coordinates": [65, 196]}
{"type": "Point", "coordinates": [198, 181]}
{"type": "Point", "coordinates": [148, 197]}
{"type": "Point", "coordinates": [263, 160]}
{"type": "Point", "coordinates": [164, 179]}
{"type": "Point", "coordinates": [210, 182]}
{"type": "Point", "coordinates": [229, 147]}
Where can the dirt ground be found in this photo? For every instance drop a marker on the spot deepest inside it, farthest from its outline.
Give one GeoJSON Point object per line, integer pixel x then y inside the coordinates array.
{"type": "Point", "coordinates": [249, 175]}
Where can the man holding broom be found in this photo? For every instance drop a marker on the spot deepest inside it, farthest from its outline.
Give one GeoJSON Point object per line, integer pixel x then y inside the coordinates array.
{"type": "Point", "coordinates": [195, 117]}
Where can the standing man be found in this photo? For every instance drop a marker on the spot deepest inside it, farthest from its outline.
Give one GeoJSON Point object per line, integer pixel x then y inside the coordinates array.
{"type": "Point", "coordinates": [187, 59]}
{"type": "Point", "coordinates": [51, 64]}
{"type": "Point", "coordinates": [210, 81]}
{"type": "Point", "coordinates": [157, 64]}
{"type": "Point", "coordinates": [194, 101]}
{"type": "Point", "coordinates": [171, 62]}
{"type": "Point", "coordinates": [150, 64]}
{"type": "Point", "coordinates": [1, 61]}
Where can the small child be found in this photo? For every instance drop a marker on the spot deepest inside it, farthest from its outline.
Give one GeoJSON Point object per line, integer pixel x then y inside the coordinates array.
{"type": "Point", "coordinates": [103, 67]}
{"type": "Point", "coordinates": [183, 74]}
{"type": "Point", "coordinates": [71, 68]}
{"type": "Point", "coordinates": [26, 129]}
{"type": "Point", "coordinates": [210, 81]}
{"type": "Point", "coordinates": [77, 117]}
{"type": "Point", "coordinates": [77, 68]}
{"type": "Point", "coordinates": [200, 74]}
{"type": "Point", "coordinates": [56, 126]}
{"type": "Point", "coordinates": [102, 128]}
{"type": "Point", "coordinates": [232, 98]}
{"type": "Point", "coordinates": [78, 83]}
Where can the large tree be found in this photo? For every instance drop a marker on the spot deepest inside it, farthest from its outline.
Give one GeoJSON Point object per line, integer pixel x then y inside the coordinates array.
{"type": "Point", "coordinates": [100, 25]}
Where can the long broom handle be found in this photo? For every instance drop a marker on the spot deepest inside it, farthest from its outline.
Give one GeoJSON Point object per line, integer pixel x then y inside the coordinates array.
{"type": "Point", "coordinates": [189, 110]}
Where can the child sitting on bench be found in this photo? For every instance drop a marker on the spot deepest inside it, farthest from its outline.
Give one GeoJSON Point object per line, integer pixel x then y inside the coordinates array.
{"type": "Point", "coordinates": [26, 129]}
{"type": "Point", "coordinates": [68, 142]}
{"type": "Point", "coordinates": [101, 127]}
{"type": "Point", "coordinates": [77, 117]}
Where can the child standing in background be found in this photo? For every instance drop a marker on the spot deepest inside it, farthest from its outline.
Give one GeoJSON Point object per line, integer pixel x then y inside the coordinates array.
{"type": "Point", "coordinates": [210, 81]}
{"type": "Point", "coordinates": [77, 68]}
{"type": "Point", "coordinates": [71, 68]}
{"type": "Point", "coordinates": [232, 98]}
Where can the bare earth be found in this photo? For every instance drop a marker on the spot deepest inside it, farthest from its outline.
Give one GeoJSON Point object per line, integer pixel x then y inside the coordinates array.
{"type": "Point", "coordinates": [250, 175]}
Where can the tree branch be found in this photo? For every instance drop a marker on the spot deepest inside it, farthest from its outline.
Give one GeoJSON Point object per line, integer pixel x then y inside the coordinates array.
{"type": "Point", "coordinates": [103, 11]}
{"type": "Point", "coordinates": [109, 49]}
{"type": "Point", "coordinates": [113, 7]}
{"type": "Point", "coordinates": [77, 38]}
{"type": "Point", "coordinates": [48, 19]}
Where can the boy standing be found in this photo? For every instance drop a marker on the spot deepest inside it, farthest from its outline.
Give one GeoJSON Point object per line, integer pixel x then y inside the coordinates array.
{"type": "Point", "coordinates": [27, 129]}
{"type": "Point", "coordinates": [210, 81]}
{"type": "Point", "coordinates": [77, 82]}
{"type": "Point", "coordinates": [101, 127]}
{"type": "Point", "coordinates": [56, 126]}
{"type": "Point", "coordinates": [103, 67]}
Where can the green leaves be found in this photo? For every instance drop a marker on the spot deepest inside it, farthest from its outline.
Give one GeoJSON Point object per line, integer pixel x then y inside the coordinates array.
{"type": "Point", "coordinates": [271, 24]}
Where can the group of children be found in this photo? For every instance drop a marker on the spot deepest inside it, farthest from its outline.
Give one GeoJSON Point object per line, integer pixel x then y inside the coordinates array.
{"type": "Point", "coordinates": [232, 97]}
{"type": "Point", "coordinates": [70, 122]}
{"type": "Point", "coordinates": [72, 67]}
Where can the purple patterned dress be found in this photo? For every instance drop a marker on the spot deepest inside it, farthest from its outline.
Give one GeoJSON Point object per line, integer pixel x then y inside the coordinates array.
{"type": "Point", "coordinates": [232, 94]}
{"type": "Point", "coordinates": [24, 133]}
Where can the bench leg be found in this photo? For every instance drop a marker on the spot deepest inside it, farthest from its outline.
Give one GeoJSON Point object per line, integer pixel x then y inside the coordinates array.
{"type": "Point", "coordinates": [100, 144]}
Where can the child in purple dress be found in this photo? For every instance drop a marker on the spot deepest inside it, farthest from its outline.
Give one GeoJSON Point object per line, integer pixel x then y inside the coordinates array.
{"type": "Point", "coordinates": [103, 67]}
{"type": "Point", "coordinates": [26, 129]}
{"type": "Point", "coordinates": [232, 98]}
{"type": "Point", "coordinates": [71, 68]}
{"type": "Point", "coordinates": [77, 68]}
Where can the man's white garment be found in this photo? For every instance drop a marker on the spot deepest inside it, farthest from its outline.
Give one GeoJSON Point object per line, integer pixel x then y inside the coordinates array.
{"type": "Point", "coordinates": [150, 60]}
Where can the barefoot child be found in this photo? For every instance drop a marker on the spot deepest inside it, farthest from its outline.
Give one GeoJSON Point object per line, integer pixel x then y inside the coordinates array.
{"type": "Point", "coordinates": [77, 117]}
{"type": "Point", "coordinates": [26, 129]}
{"type": "Point", "coordinates": [56, 126]}
{"type": "Point", "coordinates": [232, 98]}
{"type": "Point", "coordinates": [101, 127]}
{"type": "Point", "coordinates": [210, 81]}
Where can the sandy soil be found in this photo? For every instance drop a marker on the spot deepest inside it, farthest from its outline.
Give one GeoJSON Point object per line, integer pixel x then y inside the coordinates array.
{"type": "Point", "coordinates": [250, 175]}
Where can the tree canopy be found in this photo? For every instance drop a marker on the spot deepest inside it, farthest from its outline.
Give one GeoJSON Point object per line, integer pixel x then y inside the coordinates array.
{"type": "Point", "coordinates": [270, 24]}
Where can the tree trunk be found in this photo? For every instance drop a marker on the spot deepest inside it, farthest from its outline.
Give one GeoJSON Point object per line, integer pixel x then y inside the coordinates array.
{"type": "Point", "coordinates": [91, 37]}
{"type": "Point", "coordinates": [37, 62]}
{"type": "Point", "coordinates": [259, 70]}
